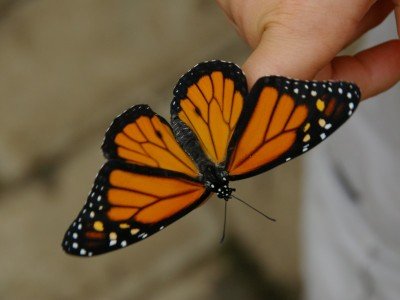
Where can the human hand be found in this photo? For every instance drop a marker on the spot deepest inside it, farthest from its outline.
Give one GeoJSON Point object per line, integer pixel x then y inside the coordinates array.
{"type": "Point", "coordinates": [302, 39]}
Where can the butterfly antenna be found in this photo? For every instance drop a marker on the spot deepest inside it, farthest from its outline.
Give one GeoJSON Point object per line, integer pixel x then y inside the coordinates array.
{"type": "Point", "coordinates": [253, 208]}
{"type": "Point", "coordinates": [223, 230]}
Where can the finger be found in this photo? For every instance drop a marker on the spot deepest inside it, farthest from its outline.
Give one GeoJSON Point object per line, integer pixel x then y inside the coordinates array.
{"type": "Point", "coordinates": [287, 55]}
{"type": "Point", "coordinates": [374, 70]}
{"type": "Point", "coordinates": [375, 16]}
{"type": "Point", "coordinates": [397, 11]}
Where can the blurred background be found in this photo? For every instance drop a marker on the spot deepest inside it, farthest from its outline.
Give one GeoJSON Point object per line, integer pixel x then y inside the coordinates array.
{"type": "Point", "coordinates": [67, 68]}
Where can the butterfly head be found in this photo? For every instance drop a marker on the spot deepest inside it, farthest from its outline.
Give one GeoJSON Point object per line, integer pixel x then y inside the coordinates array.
{"type": "Point", "coordinates": [224, 192]}
{"type": "Point", "coordinates": [221, 188]}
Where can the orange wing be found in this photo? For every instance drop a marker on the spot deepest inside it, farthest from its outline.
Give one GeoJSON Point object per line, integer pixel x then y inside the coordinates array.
{"type": "Point", "coordinates": [139, 136]}
{"type": "Point", "coordinates": [285, 118]}
{"type": "Point", "coordinates": [209, 100]}
{"type": "Point", "coordinates": [127, 204]}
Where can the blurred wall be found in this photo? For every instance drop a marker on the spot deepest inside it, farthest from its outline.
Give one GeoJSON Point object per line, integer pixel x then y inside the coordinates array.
{"type": "Point", "coordinates": [67, 68]}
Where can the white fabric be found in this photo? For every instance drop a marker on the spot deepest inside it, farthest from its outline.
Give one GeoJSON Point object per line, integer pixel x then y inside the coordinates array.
{"type": "Point", "coordinates": [351, 211]}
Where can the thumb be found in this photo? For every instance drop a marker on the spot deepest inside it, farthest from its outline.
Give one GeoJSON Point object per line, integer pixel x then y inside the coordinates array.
{"type": "Point", "coordinates": [286, 55]}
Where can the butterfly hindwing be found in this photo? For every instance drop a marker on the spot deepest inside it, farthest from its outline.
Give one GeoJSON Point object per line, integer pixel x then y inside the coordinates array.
{"type": "Point", "coordinates": [129, 203]}
{"type": "Point", "coordinates": [140, 136]}
{"type": "Point", "coordinates": [284, 118]}
{"type": "Point", "coordinates": [209, 100]}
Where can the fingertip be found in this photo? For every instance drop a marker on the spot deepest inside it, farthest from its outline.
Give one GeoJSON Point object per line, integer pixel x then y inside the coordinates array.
{"type": "Point", "coordinates": [374, 70]}
{"type": "Point", "coordinates": [382, 65]}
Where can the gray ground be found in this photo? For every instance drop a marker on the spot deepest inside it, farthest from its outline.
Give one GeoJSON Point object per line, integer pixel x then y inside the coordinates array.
{"type": "Point", "coordinates": [67, 68]}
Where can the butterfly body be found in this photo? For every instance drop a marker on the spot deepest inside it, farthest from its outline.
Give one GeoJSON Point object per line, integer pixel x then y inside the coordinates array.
{"type": "Point", "coordinates": [214, 177]}
{"type": "Point", "coordinates": [220, 132]}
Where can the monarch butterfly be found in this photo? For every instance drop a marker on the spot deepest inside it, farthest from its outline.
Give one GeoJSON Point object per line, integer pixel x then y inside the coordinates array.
{"type": "Point", "coordinates": [156, 172]}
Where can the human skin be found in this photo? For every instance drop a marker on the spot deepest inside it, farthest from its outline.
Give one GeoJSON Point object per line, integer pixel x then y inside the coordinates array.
{"type": "Point", "coordinates": [303, 38]}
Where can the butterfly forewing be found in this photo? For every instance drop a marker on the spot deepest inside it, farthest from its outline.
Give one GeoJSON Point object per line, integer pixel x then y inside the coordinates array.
{"type": "Point", "coordinates": [209, 100]}
{"type": "Point", "coordinates": [283, 118]}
